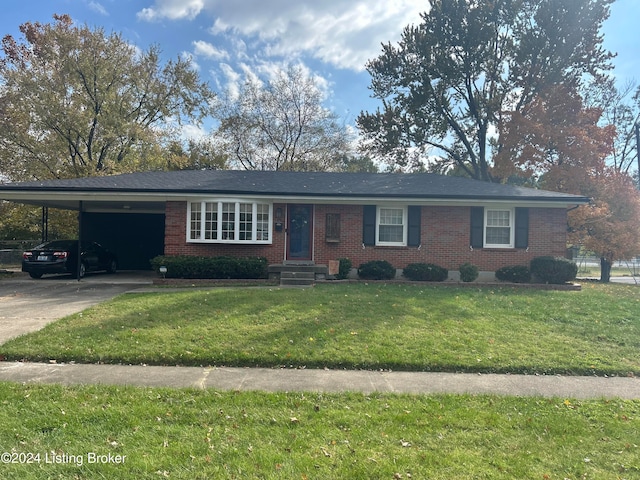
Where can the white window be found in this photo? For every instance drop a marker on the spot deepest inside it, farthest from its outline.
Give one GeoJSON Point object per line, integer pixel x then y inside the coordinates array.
{"type": "Point", "coordinates": [195, 216]}
{"type": "Point", "coordinates": [391, 228]}
{"type": "Point", "coordinates": [498, 228]}
{"type": "Point", "coordinates": [211, 221]}
{"type": "Point", "coordinates": [262, 222]}
{"type": "Point", "coordinates": [229, 222]}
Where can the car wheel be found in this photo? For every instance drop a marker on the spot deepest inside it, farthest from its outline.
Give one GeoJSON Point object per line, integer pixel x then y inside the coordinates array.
{"type": "Point", "coordinates": [35, 275]}
{"type": "Point", "coordinates": [113, 266]}
{"type": "Point", "coordinates": [83, 270]}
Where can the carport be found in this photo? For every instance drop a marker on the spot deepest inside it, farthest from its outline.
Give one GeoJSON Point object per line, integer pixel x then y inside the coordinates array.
{"type": "Point", "coordinates": [130, 226]}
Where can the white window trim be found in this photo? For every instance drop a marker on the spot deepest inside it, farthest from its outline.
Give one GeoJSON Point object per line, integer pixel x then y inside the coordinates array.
{"type": "Point", "coordinates": [512, 227]}
{"type": "Point", "coordinates": [235, 241]}
{"type": "Point", "coordinates": [405, 228]}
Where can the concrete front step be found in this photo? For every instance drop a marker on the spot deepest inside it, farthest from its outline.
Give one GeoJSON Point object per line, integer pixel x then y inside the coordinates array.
{"type": "Point", "coordinates": [298, 274]}
{"type": "Point", "coordinates": [279, 268]}
{"type": "Point", "coordinates": [297, 278]}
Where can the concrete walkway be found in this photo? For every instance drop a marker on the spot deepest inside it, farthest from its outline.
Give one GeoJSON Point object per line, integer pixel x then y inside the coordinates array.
{"type": "Point", "coordinates": [310, 380]}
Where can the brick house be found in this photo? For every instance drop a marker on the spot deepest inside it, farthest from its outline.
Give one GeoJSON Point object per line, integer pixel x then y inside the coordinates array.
{"type": "Point", "coordinates": [311, 217]}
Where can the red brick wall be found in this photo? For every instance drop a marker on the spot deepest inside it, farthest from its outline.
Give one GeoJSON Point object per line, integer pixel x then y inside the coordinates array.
{"type": "Point", "coordinates": [445, 239]}
{"type": "Point", "coordinates": [175, 239]}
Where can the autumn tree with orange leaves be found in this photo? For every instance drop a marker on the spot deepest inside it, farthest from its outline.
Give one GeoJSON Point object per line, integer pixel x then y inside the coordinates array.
{"type": "Point", "coordinates": [557, 144]}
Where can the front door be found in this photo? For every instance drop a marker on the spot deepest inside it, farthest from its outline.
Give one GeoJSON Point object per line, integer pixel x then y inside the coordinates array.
{"type": "Point", "coordinates": [300, 232]}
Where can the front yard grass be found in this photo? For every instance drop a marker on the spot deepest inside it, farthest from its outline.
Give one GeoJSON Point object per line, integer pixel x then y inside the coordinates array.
{"type": "Point", "coordinates": [361, 326]}
{"type": "Point", "coordinates": [154, 433]}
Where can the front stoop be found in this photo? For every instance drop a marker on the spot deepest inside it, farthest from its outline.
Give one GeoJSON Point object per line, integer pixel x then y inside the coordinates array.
{"type": "Point", "coordinates": [298, 275]}
{"type": "Point", "coordinates": [297, 279]}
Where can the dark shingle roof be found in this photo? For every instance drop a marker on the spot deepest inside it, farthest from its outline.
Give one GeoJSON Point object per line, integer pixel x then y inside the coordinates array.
{"type": "Point", "coordinates": [311, 184]}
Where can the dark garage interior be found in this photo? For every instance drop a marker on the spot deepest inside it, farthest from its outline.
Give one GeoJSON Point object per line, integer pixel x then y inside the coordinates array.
{"type": "Point", "coordinates": [135, 238]}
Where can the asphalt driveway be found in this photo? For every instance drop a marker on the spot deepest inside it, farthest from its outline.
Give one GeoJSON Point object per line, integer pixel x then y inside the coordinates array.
{"type": "Point", "coordinates": [27, 305]}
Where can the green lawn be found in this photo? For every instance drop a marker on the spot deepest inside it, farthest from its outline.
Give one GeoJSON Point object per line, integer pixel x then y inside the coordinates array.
{"type": "Point", "coordinates": [154, 433]}
{"type": "Point", "coordinates": [189, 434]}
{"type": "Point", "coordinates": [372, 326]}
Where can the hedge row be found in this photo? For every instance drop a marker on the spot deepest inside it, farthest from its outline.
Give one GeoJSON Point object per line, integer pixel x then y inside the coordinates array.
{"type": "Point", "coordinates": [185, 266]}
{"type": "Point", "coordinates": [425, 272]}
{"type": "Point", "coordinates": [383, 270]}
{"type": "Point", "coordinates": [514, 274]}
{"type": "Point", "coordinates": [554, 270]}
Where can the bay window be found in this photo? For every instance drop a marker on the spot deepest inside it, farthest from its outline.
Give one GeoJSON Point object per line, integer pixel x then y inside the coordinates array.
{"type": "Point", "coordinates": [229, 222]}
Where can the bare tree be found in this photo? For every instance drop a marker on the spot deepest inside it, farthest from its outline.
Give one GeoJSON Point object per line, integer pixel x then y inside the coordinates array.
{"type": "Point", "coordinates": [620, 107]}
{"type": "Point", "coordinates": [280, 125]}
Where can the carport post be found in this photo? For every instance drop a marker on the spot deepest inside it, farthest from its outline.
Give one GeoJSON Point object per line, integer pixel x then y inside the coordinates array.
{"type": "Point", "coordinates": [79, 240]}
{"type": "Point", "coordinates": [45, 224]}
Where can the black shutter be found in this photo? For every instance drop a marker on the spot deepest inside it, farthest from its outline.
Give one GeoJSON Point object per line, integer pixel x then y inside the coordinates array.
{"type": "Point", "coordinates": [477, 227]}
{"type": "Point", "coordinates": [522, 228]}
{"type": "Point", "coordinates": [413, 234]}
{"type": "Point", "coordinates": [369, 225]}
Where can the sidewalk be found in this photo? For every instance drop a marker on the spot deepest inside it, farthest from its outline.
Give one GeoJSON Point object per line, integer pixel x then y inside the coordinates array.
{"type": "Point", "coordinates": [334, 381]}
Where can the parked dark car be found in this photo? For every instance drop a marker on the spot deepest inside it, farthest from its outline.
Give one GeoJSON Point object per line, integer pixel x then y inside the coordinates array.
{"type": "Point", "coordinates": [61, 256]}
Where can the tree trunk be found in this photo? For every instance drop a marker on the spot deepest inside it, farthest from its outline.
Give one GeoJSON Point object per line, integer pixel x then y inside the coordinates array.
{"type": "Point", "coordinates": [605, 270]}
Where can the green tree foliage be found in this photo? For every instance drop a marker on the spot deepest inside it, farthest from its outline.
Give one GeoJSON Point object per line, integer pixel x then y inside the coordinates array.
{"type": "Point", "coordinates": [445, 84]}
{"type": "Point", "coordinates": [280, 125]}
{"type": "Point", "coordinates": [24, 222]}
{"type": "Point", "coordinates": [195, 155]}
{"type": "Point", "coordinates": [75, 102]}
{"type": "Point", "coordinates": [358, 164]}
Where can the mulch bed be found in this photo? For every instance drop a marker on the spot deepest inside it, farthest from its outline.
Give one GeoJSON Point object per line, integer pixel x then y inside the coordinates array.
{"type": "Point", "coordinates": [210, 282]}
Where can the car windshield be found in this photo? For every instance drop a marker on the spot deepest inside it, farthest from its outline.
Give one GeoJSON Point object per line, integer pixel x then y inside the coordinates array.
{"type": "Point", "coordinates": [58, 244]}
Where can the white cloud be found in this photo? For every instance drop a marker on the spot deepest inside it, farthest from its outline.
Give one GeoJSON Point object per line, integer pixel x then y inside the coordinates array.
{"type": "Point", "coordinates": [188, 56]}
{"type": "Point", "coordinates": [208, 50]}
{"type": "Point", "coordinates": [172, 9]}
{"type": "Point", "coordinates": [99, 8]}
{"type": "Point", "coordinates": [231, 81]}
{"type": "Point", "coordinates": [344, 34]}
{"type": "Point", "coordinates": [192, 132]}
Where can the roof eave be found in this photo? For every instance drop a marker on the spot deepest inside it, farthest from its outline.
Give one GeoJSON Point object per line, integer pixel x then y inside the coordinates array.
{"type": "Point", "coordinates": [33, 195]}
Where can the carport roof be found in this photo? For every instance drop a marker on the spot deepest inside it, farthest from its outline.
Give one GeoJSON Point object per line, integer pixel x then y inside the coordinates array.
{"type": "Point", "coordinates": [159, 186]}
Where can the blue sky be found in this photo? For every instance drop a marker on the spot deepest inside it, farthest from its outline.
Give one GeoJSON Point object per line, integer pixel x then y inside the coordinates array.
{"type": "Point", "coordinates": [228, 40]}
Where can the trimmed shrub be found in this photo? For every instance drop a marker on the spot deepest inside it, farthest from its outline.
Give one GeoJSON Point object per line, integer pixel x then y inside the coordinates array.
{"type": "Point", "coordinates": [468, 272]}
{"type": "Point", "coordinates": [377, 270]}
{"type": "Point", "coordinates": [514, 273]}
{"type": "Point", "coordinates": [555, 270]}
{"type": "Point", "coordinates": [344, 268]}
{"type": "Point", "coordinates": [186, 266]}
{"type": "Point", "coordinates": [425, 272]}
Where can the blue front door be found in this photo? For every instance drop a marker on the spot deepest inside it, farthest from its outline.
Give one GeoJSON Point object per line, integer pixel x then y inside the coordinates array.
{"type": "Point", "coordinates": [300, 232]}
